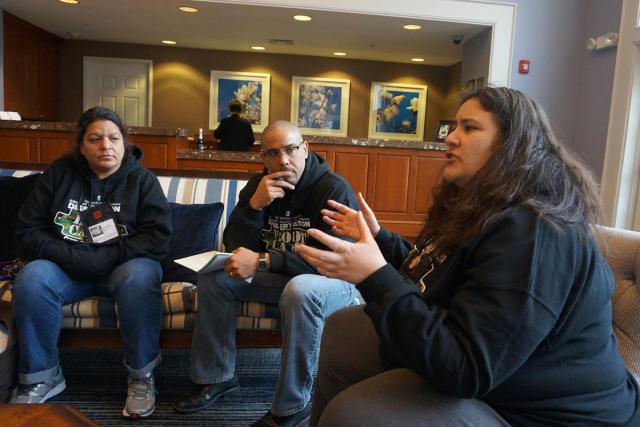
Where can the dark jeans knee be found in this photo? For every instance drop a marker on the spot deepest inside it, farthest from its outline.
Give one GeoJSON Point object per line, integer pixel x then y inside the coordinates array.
{"type": "Point", "coordinates": [137, 279]}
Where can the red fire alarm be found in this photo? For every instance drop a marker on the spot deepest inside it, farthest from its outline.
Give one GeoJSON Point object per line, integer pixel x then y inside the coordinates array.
{"type": "Point", "coordinates": [523, 66]}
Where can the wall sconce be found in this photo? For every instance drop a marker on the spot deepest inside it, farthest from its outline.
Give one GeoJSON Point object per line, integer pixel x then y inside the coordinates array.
{"type": "Point", "coordinates": [605, 41]}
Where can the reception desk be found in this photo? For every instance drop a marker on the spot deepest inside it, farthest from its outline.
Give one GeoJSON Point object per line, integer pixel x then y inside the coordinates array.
{"type": "Point", "coordinates": [395, 177]}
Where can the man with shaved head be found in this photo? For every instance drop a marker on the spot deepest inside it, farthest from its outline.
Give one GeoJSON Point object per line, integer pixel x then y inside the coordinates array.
{"type": "Point", "coordinates": [273, 214]}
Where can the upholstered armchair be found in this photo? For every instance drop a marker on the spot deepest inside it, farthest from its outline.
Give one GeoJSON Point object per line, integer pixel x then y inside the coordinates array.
{"type": "Point", "coordinates": [621, 249]}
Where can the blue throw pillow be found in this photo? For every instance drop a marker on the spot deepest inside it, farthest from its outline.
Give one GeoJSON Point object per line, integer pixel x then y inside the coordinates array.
{"type": "Point", "coordinates": [13, 192]}
{"type": "Point", "coordinates": [195, 228]}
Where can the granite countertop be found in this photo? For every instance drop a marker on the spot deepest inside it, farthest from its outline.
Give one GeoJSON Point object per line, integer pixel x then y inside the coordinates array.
{"type": "Point", "coordinates": [366, 142]}
{"type": "Point", "coordinates": [221, 156]}
{"type": "Point", "coordinates": [254, 157]}
{"type": "Point", "coordinates": [70, 127]}
{"type": "Point", "coordinates": [183, 132]}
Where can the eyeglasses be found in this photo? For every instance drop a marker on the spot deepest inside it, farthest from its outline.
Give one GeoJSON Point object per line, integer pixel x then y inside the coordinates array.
{"type": "Point", "coordinates": [289, 150]}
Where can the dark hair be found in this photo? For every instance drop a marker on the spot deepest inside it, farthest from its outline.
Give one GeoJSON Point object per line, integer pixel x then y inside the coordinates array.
{"type": "Point", "coordinates": [529, 167]}
{"type": "Point", "coordinates": [236, 106]}
{"type": "Point", "coordinates": [96, 114]}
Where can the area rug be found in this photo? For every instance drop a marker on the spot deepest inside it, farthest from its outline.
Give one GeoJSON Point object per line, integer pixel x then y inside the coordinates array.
{"type": "Point", "coordinates": [96, 386]}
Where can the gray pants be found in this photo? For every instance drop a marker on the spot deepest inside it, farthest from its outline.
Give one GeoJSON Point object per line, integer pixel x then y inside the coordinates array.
{"type": "Point", "coordinates": [353, 387]}
{"type": "Point", "coordinates": [304, 302]}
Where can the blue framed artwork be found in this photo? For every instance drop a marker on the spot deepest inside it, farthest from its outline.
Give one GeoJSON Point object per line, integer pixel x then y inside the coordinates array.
{"type": "Point", "coordinates": [320, 106]}
{"type": "Point", "coordinates": [252, 89]}
{"type": "Point", "coordinates": [397, 111]}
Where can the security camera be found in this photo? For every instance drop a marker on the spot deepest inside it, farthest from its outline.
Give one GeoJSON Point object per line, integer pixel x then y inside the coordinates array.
{"type": "Point", "coordinates": [457, 39]}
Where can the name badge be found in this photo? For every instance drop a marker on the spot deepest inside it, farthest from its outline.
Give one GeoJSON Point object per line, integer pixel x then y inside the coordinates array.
{"type": "Point", "coordinates": [99, 224]}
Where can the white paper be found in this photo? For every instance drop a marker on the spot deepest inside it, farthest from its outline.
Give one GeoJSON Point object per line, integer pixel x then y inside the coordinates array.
{"type": "Point", "coordinates": [14, 115]}
{"type": "Point", "coordinates": [205, 261]}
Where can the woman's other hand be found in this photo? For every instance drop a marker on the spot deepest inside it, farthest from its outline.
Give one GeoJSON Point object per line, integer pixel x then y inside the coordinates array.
{"type": "Point", "coordinates": [343, 219]}
{"type": "Point", "coordinates": [348, 261]}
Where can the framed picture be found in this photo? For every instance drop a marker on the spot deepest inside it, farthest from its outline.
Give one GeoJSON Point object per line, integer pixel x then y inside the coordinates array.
{"type": "Point", "coordinates": [251, 88]}
{"type": "Point", "coordinates": [320, 106]}
{"type": "Point", "coordinates": [443, 129]}
{"type": "Point", "coordinates": [397, 111]}
{"type": "Point", "coordinates": [469, 86]}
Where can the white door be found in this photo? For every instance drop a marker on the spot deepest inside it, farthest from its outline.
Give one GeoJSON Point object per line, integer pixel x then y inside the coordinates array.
{"type": "Point", "coordinates": [123, 85]}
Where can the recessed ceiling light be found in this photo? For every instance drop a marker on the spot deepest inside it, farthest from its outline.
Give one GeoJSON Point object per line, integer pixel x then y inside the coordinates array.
{"type": "Point", "coordinates": [69, 1]}
{"type": "Point", "coordinates": [168, 42]}
{"type": "Point", "coordinates": [417, 59]}
{"type": "Point", "coordinates": [302, 18]}
{"type": "Point", "coordinates": [257, 47]}
{"type": "Point", "coordinates": [188, 9]}
{"type": "Point", "coordinates": [339, 54]}
{"type": "Point", "coordinates": [412, 27]}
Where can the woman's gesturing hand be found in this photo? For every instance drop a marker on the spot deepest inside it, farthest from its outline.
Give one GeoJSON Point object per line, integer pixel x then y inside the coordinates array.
{"type": "Point", "coordinates": [348, 261]}
{"type": "Point", "coordinates": [343, 219]}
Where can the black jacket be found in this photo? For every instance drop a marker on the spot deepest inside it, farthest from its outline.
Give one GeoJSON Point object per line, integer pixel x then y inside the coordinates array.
{"type": "Point", "coordinates": [235, 133]}
{"type": "Point", "coordinates": [49, 227]}
{"type": "Point", "coordinates": [518, 316]}
{"type": "Point", "coordinates": [284, 223]}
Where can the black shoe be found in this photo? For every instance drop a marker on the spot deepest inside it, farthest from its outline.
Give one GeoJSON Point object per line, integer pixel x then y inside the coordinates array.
{"type": "Point", "coordinates": [209, 394]}
{"type": "Point", "coordinates": [294, 420]}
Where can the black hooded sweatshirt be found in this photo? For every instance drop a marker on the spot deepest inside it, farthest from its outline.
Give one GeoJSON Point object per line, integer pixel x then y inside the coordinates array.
{"type": "Point", "coordinates": [518, 316]}
{"type": "Point", "coordinates": [284, 223]}
{"type": "Point", "coordinates": [49, 226]}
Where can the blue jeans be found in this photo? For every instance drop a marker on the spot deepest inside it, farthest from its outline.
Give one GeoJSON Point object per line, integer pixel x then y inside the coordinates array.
{"type": "Point", "coordinates": [304, 301]}
{"type": "Point", "coordinates": [42, 288]}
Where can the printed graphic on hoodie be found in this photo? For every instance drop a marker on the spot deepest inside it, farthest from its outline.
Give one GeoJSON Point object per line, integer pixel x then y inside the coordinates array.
{"type": "Point", "coordinates": [71, 225]}
{"type": "Point", "coordinates": [285, 232]}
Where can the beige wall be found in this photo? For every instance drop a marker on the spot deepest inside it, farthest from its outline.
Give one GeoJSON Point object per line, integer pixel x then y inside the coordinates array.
{"type": "Point", "coordinates": [181, 81]}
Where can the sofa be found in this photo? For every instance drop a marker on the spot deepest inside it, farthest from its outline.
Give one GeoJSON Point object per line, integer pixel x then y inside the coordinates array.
{"type": "Point", "coordinates": [201, 202]}
{"type": "Point", "coordinates": [621, 249]}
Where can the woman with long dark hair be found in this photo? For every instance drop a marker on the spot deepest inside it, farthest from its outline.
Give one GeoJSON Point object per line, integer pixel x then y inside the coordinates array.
{"type": "Point", "coordinates": [500, 314]}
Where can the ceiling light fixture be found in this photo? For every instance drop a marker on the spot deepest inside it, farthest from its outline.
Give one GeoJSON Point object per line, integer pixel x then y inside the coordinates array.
{"type": "Point", "coordinates": [257, 47]}
{"type": "Point", "coordinates": [412, 27]}
{"type": "Point", "coordinates": [339, 54]}
{"type": "Point", "coordinates": [188, 9]}
{"type": "Point", "coordinates": [303, 18]}
{"type": "Point", "coordinates": [69, 1]}
{"type": "Point", "coordinates": [168, 42]}
{"type": "Point", "coordinates": [417, 59]}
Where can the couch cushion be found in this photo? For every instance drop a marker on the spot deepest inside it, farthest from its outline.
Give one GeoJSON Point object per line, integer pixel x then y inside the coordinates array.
{"type": "Point", "coordinates": [195, 228]}
{"type": "Point", "coordinates": [13, 192]}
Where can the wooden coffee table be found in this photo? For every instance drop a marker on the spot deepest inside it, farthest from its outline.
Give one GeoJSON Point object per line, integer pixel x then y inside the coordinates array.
{"type": "Point", "coordinates": [47, 414]}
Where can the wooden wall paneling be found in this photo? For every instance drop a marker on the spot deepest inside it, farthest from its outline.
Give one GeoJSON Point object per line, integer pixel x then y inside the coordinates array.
{"type": "Point", "coordinates": [155, 148]}
{"type": "Point", "coordinates": [53, 148]}
{"type": "Point", "coordinates": [16, 148]}
{"type": "Point", "coordinates": [219, 165]}
{"type": "Point", "coordinates": [429, 171]}
{"type": "Point", "coordinates": [354, 167]}
{"type": "Point", "coordinates": [391, 183]}
{"type": "Point", "coordinates": [31, 69]}
{"type": "Point", "coordinates": [155, 155]}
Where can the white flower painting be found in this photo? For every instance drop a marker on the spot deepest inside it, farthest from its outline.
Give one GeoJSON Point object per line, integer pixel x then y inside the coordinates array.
{"type": "Point", "coordinates": [320, 106]}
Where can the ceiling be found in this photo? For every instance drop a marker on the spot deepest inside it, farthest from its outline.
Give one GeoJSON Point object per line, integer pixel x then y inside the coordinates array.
{"type": "Point", "coordinates": [236, 27]}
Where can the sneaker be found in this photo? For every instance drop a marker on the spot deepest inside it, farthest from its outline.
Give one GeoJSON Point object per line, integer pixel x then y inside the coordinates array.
{"type": "Point", "coordinates": [141, 397]}
{"type": "Point", "coordinates": [294, 420]}
{"type": "Point", "coordinates": [39, 392]}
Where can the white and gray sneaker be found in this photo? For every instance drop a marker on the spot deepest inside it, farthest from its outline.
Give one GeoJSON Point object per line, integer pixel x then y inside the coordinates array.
{"type": "Point", "coordinates": [39, 392]}
{"type": "Point", "coordinates": [141, 397]}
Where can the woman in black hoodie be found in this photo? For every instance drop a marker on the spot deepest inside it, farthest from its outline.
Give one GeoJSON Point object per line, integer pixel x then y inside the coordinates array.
{"type": "Point", "coordinates": [96, 223]}
{"type": "Point", "coordinates": [500, 314]}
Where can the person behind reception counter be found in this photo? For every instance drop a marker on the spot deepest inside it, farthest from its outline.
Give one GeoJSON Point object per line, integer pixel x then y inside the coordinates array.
{"type": "Point", "coordinates": [235, 132]}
